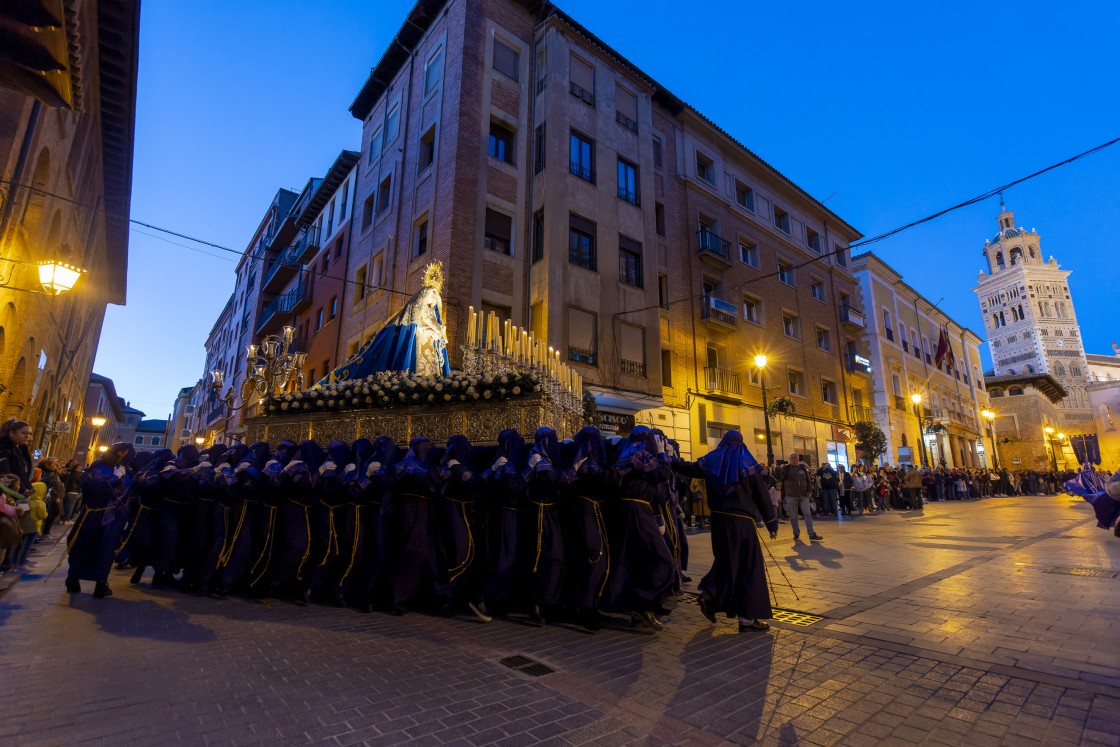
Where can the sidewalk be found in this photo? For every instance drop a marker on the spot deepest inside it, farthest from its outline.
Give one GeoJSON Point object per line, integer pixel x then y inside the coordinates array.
{"type": "Point", "coordinates": [939, 627]}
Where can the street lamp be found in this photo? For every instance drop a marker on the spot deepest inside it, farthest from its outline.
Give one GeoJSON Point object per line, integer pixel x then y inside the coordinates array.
{"type": "Point", "coordinates": [199, 440]}
{"type": "Point", "coordinates": [103, 448]}
{"type": "Point", "coordinates": [97, 421]}
{"type": "Point", "coordinates": [58, 277]}
{"type": "Point", "coordinates": [991, 418]}
{"type": "Point", "coordinates": [1053, 449]}
{"type": "Point", "coordinates": [926, 457]}
{"type": "Point", "coordinates": [760, 363]}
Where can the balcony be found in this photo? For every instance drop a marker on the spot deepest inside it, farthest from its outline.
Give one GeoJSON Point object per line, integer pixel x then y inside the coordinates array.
{"type": "Point", "coordinates": [852, 317]}
{"type": "Point", "coordinates": [582, 171]}
{"type": "Point", "coordinates": [582, 94]}
{"type": "Point", "coordinates": [625, 121]}
{"type": "Point", "coordinates": [722, 382]}
{"type": "Point", "coordinates": [307, 245]}
{"type": "Point", "coordinates": [280, 309]}
{"type": "Point", "coordinates": [857, 363]}
{"type": "Point", "coordinates": [714, 248]}
{"type": "Point", "coordinates": [582, 355]}
{"type": "Point", "coordinates": [280, 272]}
{"type": "Point", "coordinates": [719, 314]}
{"type": "Point", "coordinates": [632, 368]}
{"type": "Point", "coordinates": [861, 414]}
{"type": "Point", "coordinates": [631, 197]}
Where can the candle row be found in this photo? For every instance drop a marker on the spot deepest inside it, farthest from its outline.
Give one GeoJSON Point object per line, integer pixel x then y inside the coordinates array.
{"type": "Point", "coordinates": [486, 332]}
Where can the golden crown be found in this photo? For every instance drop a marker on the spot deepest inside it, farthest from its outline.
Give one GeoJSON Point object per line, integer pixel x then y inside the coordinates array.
{"type": "Point", "coordinates": [433, 276]}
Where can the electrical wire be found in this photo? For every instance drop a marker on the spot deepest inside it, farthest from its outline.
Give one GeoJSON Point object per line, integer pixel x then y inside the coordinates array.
{"type": "Point", "coordinates": [687, 299]}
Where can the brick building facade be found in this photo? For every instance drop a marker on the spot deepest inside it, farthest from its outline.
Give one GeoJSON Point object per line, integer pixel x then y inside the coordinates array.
{"type": "Point", "coordinates": [66, 142]}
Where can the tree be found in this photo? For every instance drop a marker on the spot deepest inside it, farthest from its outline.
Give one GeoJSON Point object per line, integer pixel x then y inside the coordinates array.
{"type": "Point", "coordinates": [590, 410]}
{"type": "Point", "coordinates": [870, 440]}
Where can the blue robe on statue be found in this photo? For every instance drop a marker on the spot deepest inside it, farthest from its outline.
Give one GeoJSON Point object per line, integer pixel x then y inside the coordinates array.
{"type": "Point", "coordinates": [415, 341]}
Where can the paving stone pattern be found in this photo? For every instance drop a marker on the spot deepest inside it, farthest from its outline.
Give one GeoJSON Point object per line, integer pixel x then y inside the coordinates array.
{"type": "Point", "coordinates": [940, 628]}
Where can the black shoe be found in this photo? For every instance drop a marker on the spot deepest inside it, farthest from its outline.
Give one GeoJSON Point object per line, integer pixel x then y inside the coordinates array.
{"type": "Point", "coordinates": [535, 616]}
{"type": "Point", "coordinates": [757, 625]}
{"type": "Point", "coordinates": [73, 586]}
{"type": "Point", "coordinates": [706, 609]}
{"type": "Point", "coordinates": [102, 590]}
{"type": "Point", "coordinates": [816, 537]}
{"type": "Point", "coordinates": [136, 576]}
{"type": "Point", "coordinates": [686, 579]}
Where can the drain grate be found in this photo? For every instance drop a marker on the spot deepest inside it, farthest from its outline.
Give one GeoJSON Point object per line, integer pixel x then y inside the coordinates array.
{"type": "Point", "coordinates": [791, 617]}
{"type": "Point", "coordinates": [525, 665]}
{"type": "Point", "coordinates": [1084, 572]}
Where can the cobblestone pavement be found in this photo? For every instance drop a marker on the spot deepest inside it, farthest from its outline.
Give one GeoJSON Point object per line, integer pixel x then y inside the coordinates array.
{"type": "Point", "coordinates": [943, 627]}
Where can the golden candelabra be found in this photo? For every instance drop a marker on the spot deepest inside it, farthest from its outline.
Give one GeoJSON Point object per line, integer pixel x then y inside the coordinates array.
{"type": "Point", "coordinates": [272, 368]}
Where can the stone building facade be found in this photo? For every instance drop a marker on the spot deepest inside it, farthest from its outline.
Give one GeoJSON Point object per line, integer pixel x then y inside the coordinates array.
{"type": "Point", "coordinates": [1026, 404]}
{"type": "Point", "coordinates": [1030, 319]}
{"type": "Point", "coordinates": [902, 334]}
{"type": "Point", "coordinates": [66, 143]}
{"type": "Point", "coordinates": [568, 191]}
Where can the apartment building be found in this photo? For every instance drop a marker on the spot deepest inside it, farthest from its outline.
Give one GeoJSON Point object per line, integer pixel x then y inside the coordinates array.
{"type": "Point", "coordinates": [100, 401]}
{"type": "Point", "coordinates": [902, 334]}
{"type": "Point", "coordinates": [305, 282]}
{"type": "Point", "coordinates": [566, 190]}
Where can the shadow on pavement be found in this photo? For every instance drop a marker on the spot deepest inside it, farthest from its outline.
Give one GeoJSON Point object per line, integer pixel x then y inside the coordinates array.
{"type": "Point", "coordinates": [805, 552]}
{"type": "Point", "coordinates": [141, 619]}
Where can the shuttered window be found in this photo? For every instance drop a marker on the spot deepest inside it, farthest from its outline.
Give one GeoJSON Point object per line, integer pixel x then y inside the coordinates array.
{"type": "Point", "coordinates": [582, 336]}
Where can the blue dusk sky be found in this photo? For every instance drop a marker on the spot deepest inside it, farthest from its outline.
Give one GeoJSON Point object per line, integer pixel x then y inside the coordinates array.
{"type": "Point", "coordinates": [887, 111]}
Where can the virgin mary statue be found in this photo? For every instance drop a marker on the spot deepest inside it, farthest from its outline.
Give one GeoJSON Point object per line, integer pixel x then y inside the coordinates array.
{"type": "Point", "coordinates": [415, 340]}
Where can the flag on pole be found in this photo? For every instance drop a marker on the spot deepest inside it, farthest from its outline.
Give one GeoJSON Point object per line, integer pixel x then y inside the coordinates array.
{"type": "Point", "coordinates": [944, 350]}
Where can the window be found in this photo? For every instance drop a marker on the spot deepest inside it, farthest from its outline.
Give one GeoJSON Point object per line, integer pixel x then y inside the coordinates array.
{"type": "Point", "coordinates": [582, 336]}
{"type": "Point", "coordinates": [666, 368]}
{"type": "Point", "coordinates": [360, 283]}
{"type": "Point", "coordinates": [507, 60]}
{"type": "Point", "coordinates": [791, 325]}
{"type": "Point", "coordinates": [628, 181]}
{"type": "Point", "coordinates": [841, 254]}
{"type": "Point", "coordinates": [632, 349]}
{"type": "Point", "coordinates": [813, 240]}
{"type": "Point", "coordinates": [797, 383]}
{"type": "Point", "coordinates": [828, 391]}
{"type": "Point", "coordinates": [657, 154]}
{"type": "Point", "coordinates": [753, 377]}
{"type": "Point", "coordinates": [330, 218]}
{"type": "Point", "coordinates": [538, 149]}
{"type": "Point", "coordinates": [705, 168]}
{"type": "Point", "coordinates": [501, 143]}
{"type": "Point", "coordinates": [786, 272]}
{"type": "Point", "coordinates": [626, 109]}
{"type": "Point", "coordinates": [630, 261]}
{"type": "Point", "coordinates": [499, 232]}
{"type": "Point", "coordinates": [433, 71]}
{"type": "Point", "coordinates": [582, 80]}
{"type": "Point", "coordinates": [378, 272]}
{"type": "Point", "coordinates": [384, 194]}
{"type": "Point", "coordinates": [139, 440]}
{"type": "Point", "coordinates": [781, 220]}
{"type": "Point", "coordinates": [333, 309]}
{"type": "Point", "coordinates": [581, 242]}
{"type": "Point", "coordinates": [367, 211]}
{"type": "Point", "coordinates": [325, 263]}
{"type": "Point", "coordinates": [392, 124]}
{"type": "Point", "coordinates": [663, 290]}
{"type": "Point", "coordinates": [659, 218]}
{"type": "Point", "coordinates": [538, 236]}
{"type": "Point", "coordinates": [887, 325]}
{"type": "Point", "coordinates": [375, 144]}
{"type": "Point", "coordinates": [824, 339]}
{"type": "Point", "coordinates": [318, 320]}
{"type": "Point", "coordinates": [744, 195]}
{"type": "Point", "coordinates": [343, 200]}
{"type": "Point", "coordinates": [427, 150]}
{"type": "Point", "coordinates": [421, 239]}
{"type": "Point", "coordinates": [752, 309]}
{"type": "Point", "coordinates": [816, 288]}
{"type": "Point", "coordinates": [748, 252]}
{"type": "Point", "coordinates": [582, 157]}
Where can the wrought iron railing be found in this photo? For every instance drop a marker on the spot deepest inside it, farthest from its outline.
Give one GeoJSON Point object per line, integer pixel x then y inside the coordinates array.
{"type": "Point", "coordinates": [710, 242]}
{"type": "Point", "coordinates": [722, 381]}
